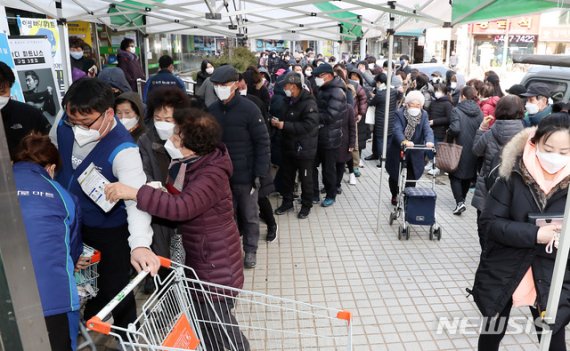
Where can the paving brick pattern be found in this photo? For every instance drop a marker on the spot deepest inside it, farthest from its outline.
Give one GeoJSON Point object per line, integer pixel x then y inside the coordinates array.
{"type": "Point", "coordinates": [395, 289]}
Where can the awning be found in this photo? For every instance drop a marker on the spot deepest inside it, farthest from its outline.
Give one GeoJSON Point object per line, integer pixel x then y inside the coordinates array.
{"type": "Point", "coordinates": [275, 19]}
{"type": "Point", "coordinates": [410, 33]}
{"type": "Point", "coordinates": [479, 10]}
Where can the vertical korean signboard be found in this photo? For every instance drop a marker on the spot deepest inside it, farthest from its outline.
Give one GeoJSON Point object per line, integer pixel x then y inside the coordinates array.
{"type": "Point", "coordinates": [47, 28]}
{"type": "Point", "coordinates": [34, 68]}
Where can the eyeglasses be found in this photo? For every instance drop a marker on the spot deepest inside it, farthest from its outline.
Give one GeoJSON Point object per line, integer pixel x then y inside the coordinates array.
{"type": "Point", "coordinates": [82, 126]}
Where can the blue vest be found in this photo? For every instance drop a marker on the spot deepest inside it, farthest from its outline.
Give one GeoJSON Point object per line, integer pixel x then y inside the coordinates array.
{"type": "Point", "coordinates": [101, 156]}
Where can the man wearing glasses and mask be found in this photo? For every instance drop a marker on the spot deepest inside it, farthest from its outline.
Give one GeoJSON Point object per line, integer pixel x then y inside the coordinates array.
{"type": "Point", "coordinates": [89, 132]}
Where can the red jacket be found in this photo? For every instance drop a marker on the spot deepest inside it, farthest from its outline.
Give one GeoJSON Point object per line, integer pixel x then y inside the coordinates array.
{"type": "Point", "coordinates": [204, 210]}
{"type": "Point", "coordinates": [488, 107]}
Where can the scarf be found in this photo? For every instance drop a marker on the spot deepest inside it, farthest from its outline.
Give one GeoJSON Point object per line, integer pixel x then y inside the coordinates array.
{"type": "Point", "coordinates": [412, 123]}
{"type": "Point", "coordinates": [177, 172]}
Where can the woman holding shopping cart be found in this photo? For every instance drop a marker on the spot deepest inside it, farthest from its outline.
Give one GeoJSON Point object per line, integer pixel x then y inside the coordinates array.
{"type": "Point", "coordinates": [197, 195]}
{"type": "Point", "coordinates": [411, 127]}
{"type": "Point", "coordinates": [516, 266]}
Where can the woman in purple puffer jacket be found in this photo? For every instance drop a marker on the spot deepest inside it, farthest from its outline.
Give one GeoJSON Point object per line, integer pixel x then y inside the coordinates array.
{"type": "Point", "coordinates": [199, 198]}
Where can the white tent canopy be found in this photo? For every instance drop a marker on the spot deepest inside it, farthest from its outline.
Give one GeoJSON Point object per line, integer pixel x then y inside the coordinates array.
{"type": "Point", "coordinates": [275, 19]}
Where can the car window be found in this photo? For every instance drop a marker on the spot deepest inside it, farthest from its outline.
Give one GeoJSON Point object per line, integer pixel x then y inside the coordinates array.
{"type": "Point", "coordinates": [557, 88]}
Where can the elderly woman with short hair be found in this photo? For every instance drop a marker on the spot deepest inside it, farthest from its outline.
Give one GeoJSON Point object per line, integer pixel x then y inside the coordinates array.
{"type": "Point", "coordinates": [410, 127]}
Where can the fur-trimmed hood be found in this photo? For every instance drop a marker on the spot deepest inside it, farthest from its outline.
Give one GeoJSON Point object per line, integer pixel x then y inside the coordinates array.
{"type": "Point", "coordinates": [513, 151]}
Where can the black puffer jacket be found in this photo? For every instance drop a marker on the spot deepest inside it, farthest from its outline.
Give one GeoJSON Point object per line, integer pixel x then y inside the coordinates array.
{"type": "Point", "coordinates": [466, 118]}
{"type": "Point", "coordinates": [300, 131]}
{"type": "Point", "coordinates": [488, 145]}
{"type": "Point", "coordinates": [379, 102]}
{"type": "Point", "coordinates": [332, 105]}
{"type": "Point", "coordinates": [246, 137]}
{"type": "Point", "coordinates": [440, 113]}
{"type": "Point", "coordinates": [511, 246]}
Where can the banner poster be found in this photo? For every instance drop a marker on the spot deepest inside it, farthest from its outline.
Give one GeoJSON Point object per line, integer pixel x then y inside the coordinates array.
{"type": "Point", "coordinates": [6, 57]}
{"type": "Point", "coordinates": [81, 30]}
{"type": "Point", "coordinates": [34, 67]}
{"type": "Point", "coordinates": [48, 28]}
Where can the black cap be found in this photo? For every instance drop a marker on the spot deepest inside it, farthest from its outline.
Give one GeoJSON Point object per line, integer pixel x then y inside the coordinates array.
{"type": "Point", "coordinates": [517, 89]}
{"type": "Point", "coordinates": [323, 68]}
{"type": "Point", "coordinates": [224, 74]}
{"type": "Point", "coordinates": [537, 90]}
{"type": "Point", "coordinates": [292, 78]}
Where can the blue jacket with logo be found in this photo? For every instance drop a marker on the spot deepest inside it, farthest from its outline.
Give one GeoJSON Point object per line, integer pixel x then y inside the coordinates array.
{"type": "Point", "coordinates": [162, 78]}
{"type": "Point", "coordinates": [52, 222]}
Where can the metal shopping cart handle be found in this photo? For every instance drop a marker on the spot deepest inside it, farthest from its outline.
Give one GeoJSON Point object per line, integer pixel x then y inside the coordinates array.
{"type": "Point", "coordinates": [418, 147]}
{"type": "Point", "coordinates": [96, 323]}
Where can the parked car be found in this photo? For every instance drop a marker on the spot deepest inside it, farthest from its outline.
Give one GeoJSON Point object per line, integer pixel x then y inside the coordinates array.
{"type": "Point", "coordinates": [552, 70]}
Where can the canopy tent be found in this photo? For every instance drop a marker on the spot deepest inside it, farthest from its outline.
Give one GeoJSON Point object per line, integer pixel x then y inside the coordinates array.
{"type": "Point", "coordinates": [480, 10]}
{"type": "Point", "coordinates": [277, 19]}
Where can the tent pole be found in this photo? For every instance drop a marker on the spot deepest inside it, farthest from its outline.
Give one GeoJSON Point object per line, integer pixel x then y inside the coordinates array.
{"type": "Point", "coordinates": [390, 32]}
{"type": "Point", "coordinates": [64, 44]}
{"type": "Point", "coordinates": [549, 316]}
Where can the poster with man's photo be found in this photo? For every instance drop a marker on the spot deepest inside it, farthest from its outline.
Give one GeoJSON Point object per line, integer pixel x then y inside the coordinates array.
{"type": "Point", "coordinates": [32, 59]}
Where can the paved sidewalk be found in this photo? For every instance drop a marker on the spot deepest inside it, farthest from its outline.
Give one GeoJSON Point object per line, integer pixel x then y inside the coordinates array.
{"type": "Point", "coordinates": [396, 290]}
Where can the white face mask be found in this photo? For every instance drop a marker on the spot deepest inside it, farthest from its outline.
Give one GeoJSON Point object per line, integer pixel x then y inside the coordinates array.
{"type": "Point", "coordinates": [531, 108]}
{"type": "Point", "coordinates": [288, 93]}
{"type": "Point", "coordinates": [130, 123]}
{"type": "Point", "coordinates": [438, 94]}
{"type": "Point", "coordinates": [414, 111]}
{"type": "Point", "coordinates": [381, 86]}
{"type": "Point", "coordinates": [552, 162]}
{"type": "Point", "coordinates": [355, 81]}
{"type": "Point", "coordinates": [84, 137]}
{"type": "Point", "coordinates": [243, 92]}
{"type": "Point", "coordinates": [308, 73]}
{"type": "Point", "coordinates": [453, 85]}
{"type": "Point", "coordinates": [319, 81]}
{"type": "Point", "coordinates": [223, 92]}
{"type": "Point", "coordinates": [210, 70]}
{"type": "Point", "coordinates": [164, 129]}
{"type": "Point", "coordinates": [371, 66]}
{"type": "Point", "coordinates": [77, 54]}
{"type": "Point", "coordinates": [172, 150]}
{"type": "Point", "coordinates": [132, 50]}
{"type": "Point", "coordinates": [4, 101]}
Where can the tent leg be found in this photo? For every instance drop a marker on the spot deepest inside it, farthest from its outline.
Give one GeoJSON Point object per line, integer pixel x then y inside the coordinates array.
{"type": "Point", "coordinates": [390, 31]}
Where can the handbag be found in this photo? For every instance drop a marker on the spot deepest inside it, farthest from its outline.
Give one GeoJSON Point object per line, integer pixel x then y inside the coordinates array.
{"type": "Point", "coordinates": [370, 115]}
{"type": "Point", "coordinates": [448, 156]}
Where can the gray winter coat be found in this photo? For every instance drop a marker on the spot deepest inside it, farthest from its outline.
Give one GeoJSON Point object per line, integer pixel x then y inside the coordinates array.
{"type": "Point", "coordinates": [487, 145]}
{"type": "Point", "coordinates": [465, 119]}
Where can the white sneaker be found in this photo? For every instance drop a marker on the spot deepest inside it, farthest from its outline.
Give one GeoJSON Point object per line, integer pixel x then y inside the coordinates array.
{"type": "Point", "coordinates": [352, 179]}
{"type": "Point", "coordinates": [434, 172]}
{"type": "Point", "coordinates": [361, 164]}
{"type": "Point", "coordinates": [428, 166]}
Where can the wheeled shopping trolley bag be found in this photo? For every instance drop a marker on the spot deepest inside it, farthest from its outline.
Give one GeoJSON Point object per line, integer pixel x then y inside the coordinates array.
{"type": "Point", "coordinates": [420, 206]}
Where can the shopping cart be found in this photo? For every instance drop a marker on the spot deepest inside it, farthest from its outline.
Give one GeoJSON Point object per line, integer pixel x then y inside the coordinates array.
{"type": "Point", "coordinates": [185, 313]}
{"type": "Point", "coordinates": [415, 205]}
{"type": "Point", "coordinates": [86, 280]}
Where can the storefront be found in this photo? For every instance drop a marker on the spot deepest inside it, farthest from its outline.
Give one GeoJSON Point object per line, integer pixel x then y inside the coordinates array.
{"type": "Point", "coordinates": [489, 40]}
{"type": "Point", "coordinates": [554, 33]}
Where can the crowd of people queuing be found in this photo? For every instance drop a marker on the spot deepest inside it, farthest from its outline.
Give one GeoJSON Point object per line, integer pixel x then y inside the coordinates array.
{"type": "Point", "coordinates": [191, 174]}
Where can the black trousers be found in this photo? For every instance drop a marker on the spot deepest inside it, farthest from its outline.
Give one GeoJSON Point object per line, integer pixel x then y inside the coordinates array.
{"type": "Point", "coordinates": [327, 159]}
{"type": "Point", "coordinates": [266, 211]}
{"type": "Point", "coordinates": [114, 272]}
{"type": "Point", "coordinates": [247, 215]}
{"type": "Point", "coordinates": [220, 334]}
{"type": "Point", "coordinates": [290, 167]}
{"type": "Point", "coordinates": [393, 183]}
{"type": "Point", "coordinates": [340, 167]}
{"type": "Point", "coordinates": [459, 188]}
{"type": "Point", "coordinates": [62, 331]}
{"type": "Point", "coordinates": [494, 330]}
